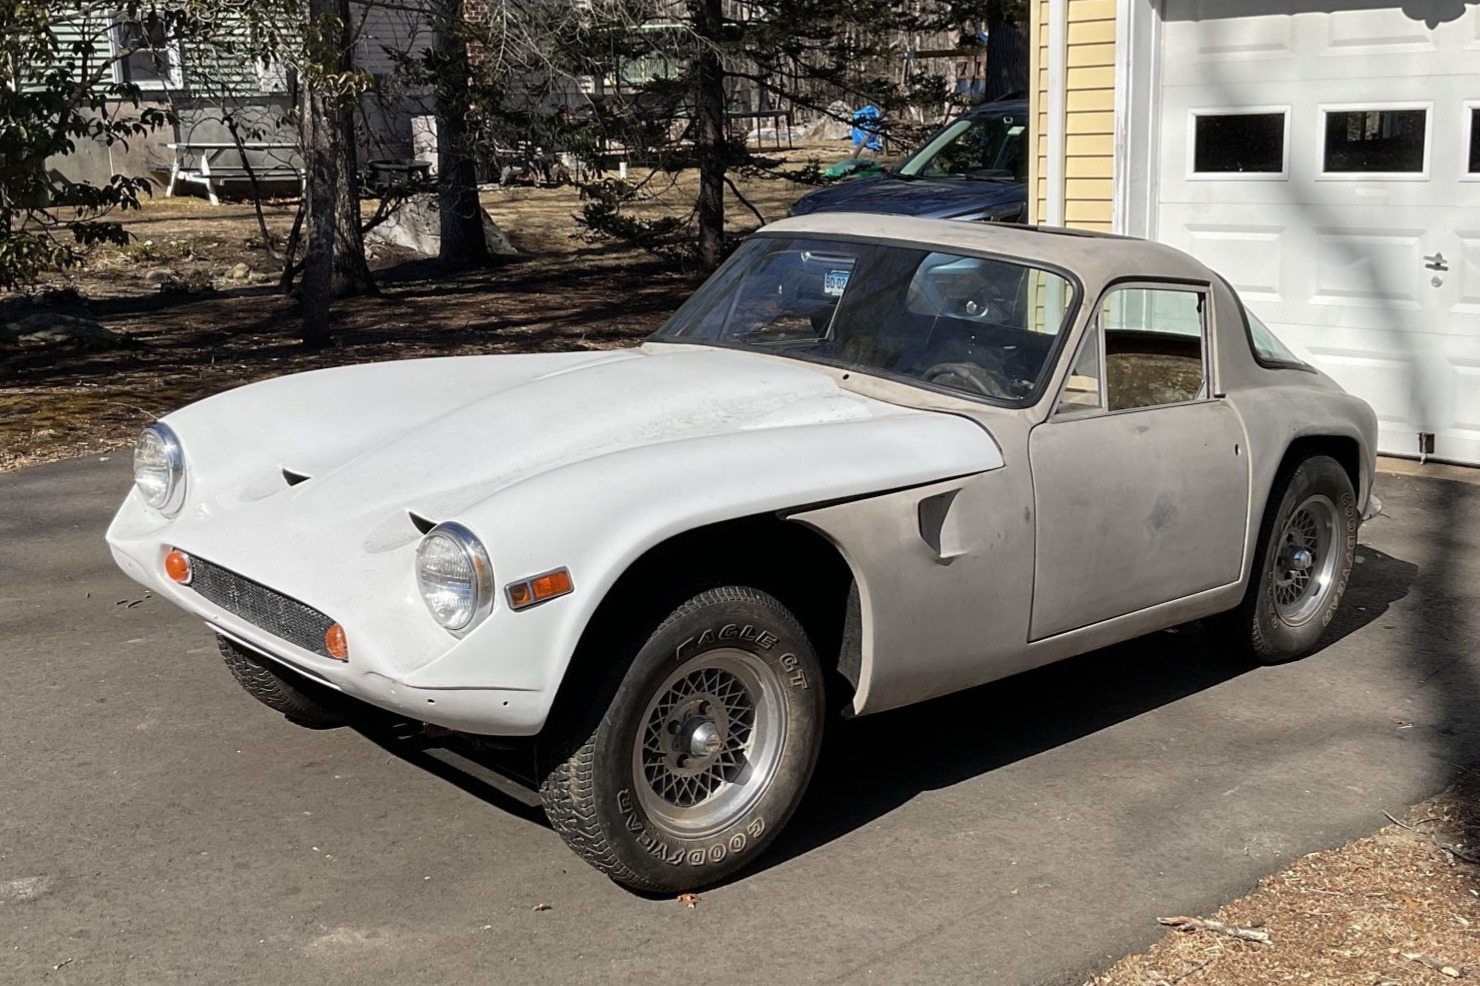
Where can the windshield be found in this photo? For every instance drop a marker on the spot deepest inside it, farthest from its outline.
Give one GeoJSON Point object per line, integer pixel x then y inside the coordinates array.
{"type": "Point", "coordinates": [980, 327]}
{"type": "Point", "coordinates": [989, 147]}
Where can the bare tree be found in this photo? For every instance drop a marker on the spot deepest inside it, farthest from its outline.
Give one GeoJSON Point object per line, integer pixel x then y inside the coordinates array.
{"type": "Point", "coordinates": [334, 263]}
{"type": "Point", "coordinates": [717, 68]}
{"type": "Point", "coordinates": [460, 214]}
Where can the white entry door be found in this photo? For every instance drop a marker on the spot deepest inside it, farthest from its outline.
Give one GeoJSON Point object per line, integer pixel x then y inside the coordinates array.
{"type": "Point", "coordinates": [1327, 162]}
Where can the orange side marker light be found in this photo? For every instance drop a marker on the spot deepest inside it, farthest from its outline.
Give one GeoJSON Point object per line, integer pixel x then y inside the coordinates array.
{"type": "Point", "coordinates": [540, 588]}
{"type": "Point", "coordinates": [177, 566]}
{"type": "Point", "coordinates": [336, 643]}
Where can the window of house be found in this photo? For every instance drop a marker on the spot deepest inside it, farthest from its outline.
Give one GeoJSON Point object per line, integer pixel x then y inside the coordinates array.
{"type": "Point", "coordinates": [1239, 143]}
{"type": "Point", "coordinates": [147, 56]}
{"type": "Point", "coordinates": [1474, 165]}
{"type": "Point", "coordinates": [1376, 141]}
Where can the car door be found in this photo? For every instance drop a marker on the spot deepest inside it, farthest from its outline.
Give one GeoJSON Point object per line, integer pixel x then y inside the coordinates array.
{"type": "Point", "coordinates": [1140, 474]}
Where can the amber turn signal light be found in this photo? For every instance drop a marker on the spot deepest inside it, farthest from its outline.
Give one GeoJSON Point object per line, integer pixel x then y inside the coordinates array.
{"type": "Point", "coordinates": [177, 566]}
{"type": "Point", "coordinates": [336, 643]}
{"type": "Point", "coordinates": [539, 588]}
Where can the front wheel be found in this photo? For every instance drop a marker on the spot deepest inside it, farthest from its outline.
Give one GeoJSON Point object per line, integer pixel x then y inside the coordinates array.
{"type": "Point", "coordinates": [704, 751]}
{"type": "Point", "coordinates": [1307, 545]}
{"type": "Point", "coordinates": [301, 701]}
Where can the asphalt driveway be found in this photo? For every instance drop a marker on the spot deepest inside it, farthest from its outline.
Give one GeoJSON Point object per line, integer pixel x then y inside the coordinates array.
{"type": "Point", "coordinates": [158, 826]}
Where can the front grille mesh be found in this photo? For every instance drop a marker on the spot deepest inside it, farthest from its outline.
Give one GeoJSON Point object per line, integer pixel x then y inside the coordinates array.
{"type": "Point", "coordinates": [254, 602]}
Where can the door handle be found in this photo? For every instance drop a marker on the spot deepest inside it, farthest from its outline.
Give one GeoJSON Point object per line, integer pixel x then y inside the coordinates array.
{"type": "Point", "coordinates": [1436, 262]}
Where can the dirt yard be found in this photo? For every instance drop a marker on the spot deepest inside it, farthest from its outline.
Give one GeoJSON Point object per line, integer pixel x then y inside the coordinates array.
{"type": "Point", "coordinates": [191, 329]}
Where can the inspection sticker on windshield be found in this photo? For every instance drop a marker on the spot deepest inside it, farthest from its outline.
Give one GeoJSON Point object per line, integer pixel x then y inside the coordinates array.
{"type": "Point", "coordinates": [834, 281]}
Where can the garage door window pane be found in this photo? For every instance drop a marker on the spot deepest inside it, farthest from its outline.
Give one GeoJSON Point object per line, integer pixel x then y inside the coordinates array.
{"type": "Point", "coordinates": [1475, 141]}
{"type": "Point", "coordinates": [1239, 142]}
{"type": "Point", "coordinates": [1375, 141]}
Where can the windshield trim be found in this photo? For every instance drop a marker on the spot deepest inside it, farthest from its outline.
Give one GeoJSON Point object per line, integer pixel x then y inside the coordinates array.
{"type": "Point", "coordinates": [1041, 385]}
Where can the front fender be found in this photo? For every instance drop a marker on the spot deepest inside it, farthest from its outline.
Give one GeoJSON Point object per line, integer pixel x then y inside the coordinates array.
{"type": "Point", "coordinates": [599, 515]}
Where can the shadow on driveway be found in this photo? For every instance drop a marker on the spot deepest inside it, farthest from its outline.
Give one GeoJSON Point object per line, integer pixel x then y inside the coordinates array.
{"type": "Point", "coordinates": [874, 764]}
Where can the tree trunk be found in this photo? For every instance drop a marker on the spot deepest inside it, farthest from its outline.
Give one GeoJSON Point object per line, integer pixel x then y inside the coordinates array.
{"type": "Point", "coordinates": [461, 214]}
{"type": "Point", "coordinates": [334, 263]}
{"type": "Point", "coordinates": [321, 173]}
{"type": "Point", "coordinates": [711, 136]}
{"type": "Point", "coordinates": [1007, 52]}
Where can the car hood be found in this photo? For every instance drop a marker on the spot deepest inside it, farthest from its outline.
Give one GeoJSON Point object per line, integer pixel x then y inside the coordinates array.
{"type": "Point", "coordinates": [950, 198]}
{"type": "Point", "coordinates": [362, 446]}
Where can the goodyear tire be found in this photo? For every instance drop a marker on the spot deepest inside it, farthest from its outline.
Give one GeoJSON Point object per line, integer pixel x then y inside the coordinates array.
{"type": "Point", "coordinates": [1307, 544]}
{"type": "Point", "coordinates": [300, 700]}
{"type": "Point", "coordinates": [703, 752]}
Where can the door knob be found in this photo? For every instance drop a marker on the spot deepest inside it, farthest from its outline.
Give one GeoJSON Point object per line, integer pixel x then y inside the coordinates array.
{"type": "Point", "coordinates": [1436, 262]}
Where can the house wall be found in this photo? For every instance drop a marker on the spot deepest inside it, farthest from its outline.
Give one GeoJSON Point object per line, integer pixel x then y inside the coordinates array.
{"type": "Point", "coordinates": [216, 82]}
{"type": "Point", "coordinates": [1089, 113]}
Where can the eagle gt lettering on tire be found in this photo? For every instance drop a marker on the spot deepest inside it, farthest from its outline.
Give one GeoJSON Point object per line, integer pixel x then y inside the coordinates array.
{"type": "Point", "coordinates": [704, 750]}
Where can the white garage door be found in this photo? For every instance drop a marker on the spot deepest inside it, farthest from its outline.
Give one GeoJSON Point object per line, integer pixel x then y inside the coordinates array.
{"type": "Point", "coordinates": [1327, 161]}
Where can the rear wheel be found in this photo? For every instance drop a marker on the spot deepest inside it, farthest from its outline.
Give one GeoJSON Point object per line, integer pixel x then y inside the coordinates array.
{"type": "Point", "coordinates": [704, 751]}
{"type": "Point", "coordinates": [300, 700]}
{"type": "Point", "coordinates": [1307, 545]}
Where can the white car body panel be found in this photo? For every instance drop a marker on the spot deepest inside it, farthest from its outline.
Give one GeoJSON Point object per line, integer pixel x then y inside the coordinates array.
{"type": "Point", "coordinates": [600, 456]}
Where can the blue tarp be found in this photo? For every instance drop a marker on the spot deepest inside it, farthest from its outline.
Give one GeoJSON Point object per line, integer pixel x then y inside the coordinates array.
{"type": "Point", "coordinates": [866, 125]}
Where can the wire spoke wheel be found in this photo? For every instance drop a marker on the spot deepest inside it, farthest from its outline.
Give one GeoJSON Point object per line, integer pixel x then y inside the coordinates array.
{"type": "Point", "coordinates": [1305, 560]}
{"type": "Point", "coordinates": [709, 743]}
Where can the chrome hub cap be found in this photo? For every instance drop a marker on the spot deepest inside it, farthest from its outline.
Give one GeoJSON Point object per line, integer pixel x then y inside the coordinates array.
{"type": "Point", "coordinates": [710, 742]}
{"type": "Point", "coordinates": [1305, 562]}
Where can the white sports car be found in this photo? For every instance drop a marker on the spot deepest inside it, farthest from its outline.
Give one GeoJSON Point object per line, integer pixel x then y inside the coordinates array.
{"type": "Point", "coordinates": [871, 461]}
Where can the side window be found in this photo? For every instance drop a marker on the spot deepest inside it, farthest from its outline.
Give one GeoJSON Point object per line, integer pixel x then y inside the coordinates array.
{"type": "Point", "coordinates": [1084, 391]}
{"type": "Point", "coordinates": [1267, 346]}
{"type": "Point", "coordinates": [1146, 349]}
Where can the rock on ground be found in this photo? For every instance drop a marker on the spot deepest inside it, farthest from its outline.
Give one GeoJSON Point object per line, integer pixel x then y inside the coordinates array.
{"type": "Point", "coordinates": [416, 225]}
{"type": "Point", "coordinates": [833, 125]}
{"type": "Point", "coordinates": [53, 329]}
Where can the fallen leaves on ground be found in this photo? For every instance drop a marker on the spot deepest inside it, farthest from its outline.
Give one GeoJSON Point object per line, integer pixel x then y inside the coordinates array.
{"type": "Point", "coordinates": [1391, 908]}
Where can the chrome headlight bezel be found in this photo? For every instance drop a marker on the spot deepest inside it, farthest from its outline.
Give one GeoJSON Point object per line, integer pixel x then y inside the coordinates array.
{"type": "Point", "coordinates": [171, 497]}
{"type": "Point", "coordinates": [480, 601]}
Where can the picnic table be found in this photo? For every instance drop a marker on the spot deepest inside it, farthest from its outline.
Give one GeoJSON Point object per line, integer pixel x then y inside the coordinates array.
{"type": "Point", "coordinates": [386, 173]}
{"type": "Point", "coordinates": [200, 162]}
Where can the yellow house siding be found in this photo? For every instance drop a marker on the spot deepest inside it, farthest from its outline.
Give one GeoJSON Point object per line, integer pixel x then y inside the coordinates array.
{"type": "Point", "coordinates": [1089, 113]}
{"type": "Point", "coordinates": [1038, 165]}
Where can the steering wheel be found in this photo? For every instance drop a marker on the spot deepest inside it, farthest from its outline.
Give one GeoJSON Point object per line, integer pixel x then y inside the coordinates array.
{"type": "Point", "coordinates": [987, 381]}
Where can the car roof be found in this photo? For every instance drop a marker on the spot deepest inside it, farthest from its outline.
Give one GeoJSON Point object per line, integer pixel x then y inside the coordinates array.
{"type": "Point", "coordinates": [1000, 106]}
{"type": "Point", "coordinates": [1095, 258]}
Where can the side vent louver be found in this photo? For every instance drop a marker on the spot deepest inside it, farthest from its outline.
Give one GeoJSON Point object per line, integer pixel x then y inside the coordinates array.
{"type": "Point", "coordinates": [294, 478]}
{"type": "Point", "coordinates": [421, 523]}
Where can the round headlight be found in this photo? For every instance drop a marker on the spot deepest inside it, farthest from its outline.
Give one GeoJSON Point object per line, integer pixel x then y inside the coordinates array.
{"type": "Point", "coordinates": [159, 468]}
{"type": "Point", "coordinates": [454, 576]}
